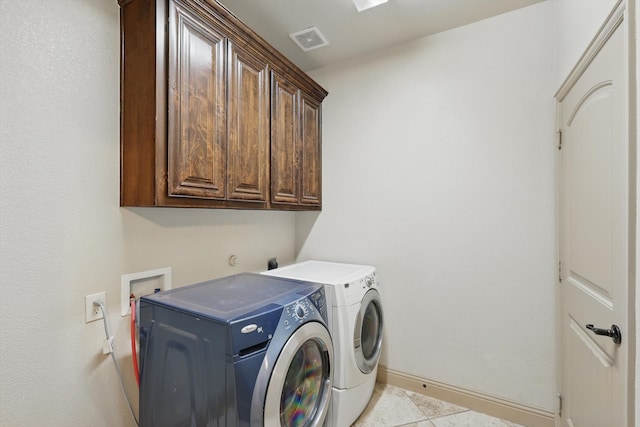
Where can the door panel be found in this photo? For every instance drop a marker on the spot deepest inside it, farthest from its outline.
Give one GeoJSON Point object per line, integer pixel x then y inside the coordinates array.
{"type": "Point", "coordinates": [590, 200]}
{"type": "Point", "coordinates": [197, 116]}
{"type": "Point", "coordinates": [586, 356]}
{"type": "Point", "coordinates": [594, 242]}
{"type": "Point", "coordinates": [311, 162]}
{"type": "Point", "coordinates": [285, 148]}
{"type": "Point", "coordinates": [248, 130]}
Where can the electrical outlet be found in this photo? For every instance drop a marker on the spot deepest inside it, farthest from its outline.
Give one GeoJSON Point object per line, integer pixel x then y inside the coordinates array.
{"type": "Point", "coordinates": [141, 284]}
{"type": "Point", "coordinates": [91, 311]}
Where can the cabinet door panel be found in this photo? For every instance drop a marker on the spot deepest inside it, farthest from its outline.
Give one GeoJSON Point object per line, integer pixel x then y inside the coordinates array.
{"type": "Point", "coordinates": [285, 147]}
{"type": "Point", "coordinates": [248, 126]}
{"type": "Point", "coordinates": [311, 163]}
{"type": "Point", "coordinates": [196, 104]}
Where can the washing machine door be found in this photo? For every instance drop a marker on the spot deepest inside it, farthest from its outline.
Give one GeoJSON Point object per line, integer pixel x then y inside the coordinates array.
{"type": "Point", "coordinates": [367, 337]}
{"type": "Point", "coordinates": [299, 390]}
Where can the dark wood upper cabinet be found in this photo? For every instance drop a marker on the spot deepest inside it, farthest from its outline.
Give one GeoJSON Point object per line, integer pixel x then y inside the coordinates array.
{"type": "Point", "coordinates": [248, 125]}
{"type": "Point", "coordinates": [311, 140]}
{"type": "Point", "coordinates": [285, 142]}
{"type": "Point", "coordinates": [296, 172]}
{"type": "Point", "coordinates": [211, 115]}
{"type": "Point", "coordinates": [197, 141]}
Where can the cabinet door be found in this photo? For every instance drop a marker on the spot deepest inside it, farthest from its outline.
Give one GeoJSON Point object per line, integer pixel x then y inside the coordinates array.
{"type": "Point", "coordinates": [311, 160]}
{"type": "Point", "coordinates": [285, 146]}
{"type": "Point", "coordinates": [248, 125]}
{"type": "Point", "coordinates": [196, 150]}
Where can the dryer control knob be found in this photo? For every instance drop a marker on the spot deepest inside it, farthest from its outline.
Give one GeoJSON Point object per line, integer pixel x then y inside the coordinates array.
{"type": "Point", "coordinates": [300, 312]}
{"type": "Point", "coordinates": [369, 281]}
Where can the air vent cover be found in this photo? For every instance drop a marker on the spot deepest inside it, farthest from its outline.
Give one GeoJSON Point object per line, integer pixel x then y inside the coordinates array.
{"type": "Point", "coordinates": [309, 39]}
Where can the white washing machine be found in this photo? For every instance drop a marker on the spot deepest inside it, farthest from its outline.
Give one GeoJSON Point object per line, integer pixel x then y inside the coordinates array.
{"type": "Point", "coordinates": [355, 323]}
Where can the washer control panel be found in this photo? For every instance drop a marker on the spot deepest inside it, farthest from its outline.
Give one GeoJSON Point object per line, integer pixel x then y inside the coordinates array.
{"type": "Point", "coordinates": [364, 282]}
{"type": "Point", "coordinates": [305, 308]}
{"type": "Point", "coordinates": [299, 311]}
{"type": "Point", "coordinates": [369, 280]}
{"type": "Point", "coordinates": [352, 292]}
{"type": "Point", "coordinates": [319, 300]}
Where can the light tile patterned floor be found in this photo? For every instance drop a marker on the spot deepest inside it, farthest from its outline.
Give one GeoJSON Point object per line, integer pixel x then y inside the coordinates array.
{"type": "Point", "coordinates": [392, 406]}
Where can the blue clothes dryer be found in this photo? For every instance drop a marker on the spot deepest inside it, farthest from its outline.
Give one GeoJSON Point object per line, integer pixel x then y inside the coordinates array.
{"type": "Point", "coordinates": [244, 350]}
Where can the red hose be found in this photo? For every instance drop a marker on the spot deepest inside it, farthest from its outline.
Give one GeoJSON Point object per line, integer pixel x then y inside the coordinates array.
{"type": "Point", "coordinates": [134, 353]}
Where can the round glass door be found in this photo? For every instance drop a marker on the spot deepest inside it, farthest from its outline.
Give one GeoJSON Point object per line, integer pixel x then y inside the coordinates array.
{"type": "Point", "coordinates": [368, 332]}
{"type": "Point", "coordinates": [301, 380]}
{"type": "Point", "coordinates": [302, 386]}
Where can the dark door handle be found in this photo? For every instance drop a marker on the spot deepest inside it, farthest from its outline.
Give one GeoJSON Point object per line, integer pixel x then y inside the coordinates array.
{"type": "Point", "coordinates": [614, 332]}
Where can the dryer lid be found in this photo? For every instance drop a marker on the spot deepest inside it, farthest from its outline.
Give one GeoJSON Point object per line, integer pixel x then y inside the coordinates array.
{"type": "Point", "coordinates": [330, 273]}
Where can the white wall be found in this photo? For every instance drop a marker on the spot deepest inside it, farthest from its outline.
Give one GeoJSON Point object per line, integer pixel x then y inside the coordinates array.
{"type": "Point", "coordinates": [62, 234]}
{"type": "Point", "coordinates": [438, 164]}
{"type": "Point", "coordinates": [438, 169]}
{"type": "Point", "coordinates": [443, 152]}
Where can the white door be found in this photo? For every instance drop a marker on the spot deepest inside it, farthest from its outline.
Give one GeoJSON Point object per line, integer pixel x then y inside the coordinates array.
{"type": "Point", "coordinates": [594, 234]}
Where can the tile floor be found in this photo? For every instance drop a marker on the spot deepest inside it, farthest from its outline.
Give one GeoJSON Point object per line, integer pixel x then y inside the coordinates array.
{"type": "Point", "coordinates": [392, 406]}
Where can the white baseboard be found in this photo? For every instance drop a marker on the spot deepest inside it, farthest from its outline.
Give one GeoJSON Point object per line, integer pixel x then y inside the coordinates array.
{"type": "Point", "coordinates": [511, 411]}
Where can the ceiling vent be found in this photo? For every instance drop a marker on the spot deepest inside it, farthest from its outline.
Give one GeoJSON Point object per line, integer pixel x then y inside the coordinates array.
{"type": "Point", "coordinates": [309, 39]}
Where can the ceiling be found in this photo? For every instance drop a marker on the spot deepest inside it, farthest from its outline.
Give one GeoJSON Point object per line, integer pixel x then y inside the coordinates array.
{"type": "Point", "coordinates": [351, 33]}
